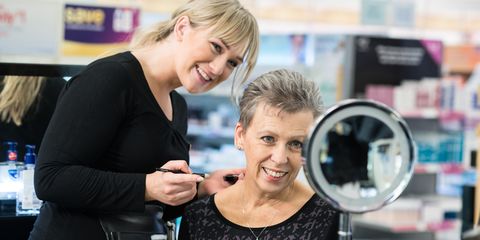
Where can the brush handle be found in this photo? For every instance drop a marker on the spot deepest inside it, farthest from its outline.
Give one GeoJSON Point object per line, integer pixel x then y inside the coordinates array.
{"type": "Point", "coordinates": [204, 175]}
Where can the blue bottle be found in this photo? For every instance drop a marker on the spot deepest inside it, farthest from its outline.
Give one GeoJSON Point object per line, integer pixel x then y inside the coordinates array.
{"type": "Point", "coordinates": [9, 183]}
{"type": "Point", "coordinates": [12, 156]}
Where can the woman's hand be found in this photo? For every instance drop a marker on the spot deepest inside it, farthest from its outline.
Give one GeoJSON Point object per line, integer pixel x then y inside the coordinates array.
{"type": "Point", "coordinates": [172, 188]}
{"type": "Point", "coordinates": [215, 181]}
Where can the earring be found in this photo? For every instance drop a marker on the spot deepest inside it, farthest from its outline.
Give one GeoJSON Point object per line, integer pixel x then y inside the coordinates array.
{"type": "Point", "coordinates": [239, 148]}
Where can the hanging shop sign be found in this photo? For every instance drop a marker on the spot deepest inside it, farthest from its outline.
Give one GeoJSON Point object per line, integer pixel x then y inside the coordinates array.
{"type": "Point", "coordinates": [24, 29]}
{"type": "Point", "coordinates": [95, 30]}
{"type": "Point", "coordinates": [388, 61]}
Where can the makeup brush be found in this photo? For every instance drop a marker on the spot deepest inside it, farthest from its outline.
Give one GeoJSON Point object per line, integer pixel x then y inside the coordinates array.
{"type": "Point", "coordinates": [204, 175]}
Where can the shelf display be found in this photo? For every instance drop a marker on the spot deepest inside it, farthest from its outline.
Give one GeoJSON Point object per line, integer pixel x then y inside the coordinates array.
{"type": "Point", "coordinates": [389, 61]}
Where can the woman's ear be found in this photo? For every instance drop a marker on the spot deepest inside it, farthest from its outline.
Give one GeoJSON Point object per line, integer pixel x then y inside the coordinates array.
{"type": "Point", "coordinates": [239, 136]}
{"type": "Point", "coordinates": [181, 26]}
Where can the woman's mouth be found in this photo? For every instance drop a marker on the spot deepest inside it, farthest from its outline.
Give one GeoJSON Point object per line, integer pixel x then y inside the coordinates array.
{"type": "Point", "coordinates": [203, 74]}
{"type": "Point", "coordinates": [273, 173]}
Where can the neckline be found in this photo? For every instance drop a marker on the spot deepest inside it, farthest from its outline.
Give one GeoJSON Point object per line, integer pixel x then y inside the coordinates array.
{"type": "Point", "coordinates": [211, 201]}
{"type": "Point", "coordinates": [150, 95]}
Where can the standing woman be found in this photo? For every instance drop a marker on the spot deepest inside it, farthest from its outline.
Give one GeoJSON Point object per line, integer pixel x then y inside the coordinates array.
{"type": "Point", "coordinates": [121, 118]}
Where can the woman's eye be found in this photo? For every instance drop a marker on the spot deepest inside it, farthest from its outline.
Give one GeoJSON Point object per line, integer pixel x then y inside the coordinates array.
{"type": "Point", "coordinates": [233, 63]}
{"type": "Point", "coordinates": [267, 139]}
{"type": "Point", "coordinates": [297, 145]}
{"type": "Point", "coordinates": [216, 47]}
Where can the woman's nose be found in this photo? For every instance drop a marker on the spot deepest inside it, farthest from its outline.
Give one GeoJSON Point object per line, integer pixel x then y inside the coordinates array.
{"type": "Point", "coordinates": [217, 66]}
{"type": "Point", "coordinates": [279, 154]}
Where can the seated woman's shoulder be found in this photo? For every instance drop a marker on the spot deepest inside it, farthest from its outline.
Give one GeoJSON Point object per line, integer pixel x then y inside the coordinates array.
{"type": "Point", "coordinates": [195, 206]}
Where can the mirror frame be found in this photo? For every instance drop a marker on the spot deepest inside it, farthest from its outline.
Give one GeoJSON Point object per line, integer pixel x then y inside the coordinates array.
{"type": "Point", "coordinates": [39, 69]}
{"type": "Point", "coordinates": [343, 110]}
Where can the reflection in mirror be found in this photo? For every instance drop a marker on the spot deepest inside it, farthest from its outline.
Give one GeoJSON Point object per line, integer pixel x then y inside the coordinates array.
{"type": "Point", "coordinates": [359, 156]}
{"type": "Point", "coordinates": [370, 142]}
{"type": "Point", "coordinates": [28, 95]}
{"type": "Point", "coordinates": [26, 106]}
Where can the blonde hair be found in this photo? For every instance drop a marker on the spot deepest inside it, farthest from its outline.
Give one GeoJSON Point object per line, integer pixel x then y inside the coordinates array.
{"type": "Point", "coordinates": [233, 24]}
{"type": "Point", "coordinates": [17, 96]}
{"type": "Point", "coordinates": [287, 90]}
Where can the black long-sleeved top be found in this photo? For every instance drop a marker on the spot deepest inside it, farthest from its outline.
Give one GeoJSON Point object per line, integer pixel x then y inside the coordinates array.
{"type": "Point", "coordinates": [106, 133]}
{"type": "Point", "coordinates": [316, 220]}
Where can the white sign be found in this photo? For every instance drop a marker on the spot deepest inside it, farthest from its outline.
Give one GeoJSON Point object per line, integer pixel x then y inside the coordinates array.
{"type": "Point", "coordinates": [30, 27]}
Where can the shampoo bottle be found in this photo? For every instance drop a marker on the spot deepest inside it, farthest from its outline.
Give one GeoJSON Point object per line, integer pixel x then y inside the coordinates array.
{"type": "Point", "coordinates": [27, 201]}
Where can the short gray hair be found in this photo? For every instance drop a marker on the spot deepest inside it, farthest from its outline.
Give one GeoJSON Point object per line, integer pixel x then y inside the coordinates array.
{"type": "Point", "coordinates": [287, 90]}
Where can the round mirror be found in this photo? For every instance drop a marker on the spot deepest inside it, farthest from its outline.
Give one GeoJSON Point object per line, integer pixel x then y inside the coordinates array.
{"type": "Point", "coordinates": [359, 155]}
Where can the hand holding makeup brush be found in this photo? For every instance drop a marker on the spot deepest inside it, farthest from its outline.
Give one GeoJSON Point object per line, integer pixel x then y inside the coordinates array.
{"type": "Point", "coordinates": [170, 186]}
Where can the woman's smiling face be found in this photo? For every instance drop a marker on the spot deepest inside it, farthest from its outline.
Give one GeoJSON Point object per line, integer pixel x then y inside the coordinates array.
{"type": "Point", "coordinates": [204, 60]}
{"type": "Point", "coordinates": [273, 144]}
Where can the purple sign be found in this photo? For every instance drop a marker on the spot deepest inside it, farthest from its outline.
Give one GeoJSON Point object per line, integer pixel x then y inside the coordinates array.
{"type": "Point", "coordinates": [99, 25]}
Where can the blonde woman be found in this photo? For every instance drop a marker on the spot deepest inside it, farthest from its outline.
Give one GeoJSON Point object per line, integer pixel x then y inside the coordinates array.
{"type": "Point", "coordinates": [121, 118]}
{"type": "Point", "coordinates": [276, 112]}
{"type": "Point", "coordinates": [26, 106]}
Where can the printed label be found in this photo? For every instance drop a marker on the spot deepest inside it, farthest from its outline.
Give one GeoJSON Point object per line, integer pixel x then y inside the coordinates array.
{"type": "Point", "coordinates": [13, 173]}
{"type": "Point", "coordinates": [12, 156]}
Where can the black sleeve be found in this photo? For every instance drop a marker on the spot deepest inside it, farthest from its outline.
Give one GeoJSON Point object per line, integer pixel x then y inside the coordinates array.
{"type": "Point", "coordinates": [83, 126]}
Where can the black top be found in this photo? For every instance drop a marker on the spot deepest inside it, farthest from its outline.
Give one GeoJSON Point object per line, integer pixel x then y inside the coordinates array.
{"type": "Point", "coordinates": [107, 132]}
{"type": "Point", "coordinates": [35, 122]}
{"type": "Point", "coordinates": [316, 220]}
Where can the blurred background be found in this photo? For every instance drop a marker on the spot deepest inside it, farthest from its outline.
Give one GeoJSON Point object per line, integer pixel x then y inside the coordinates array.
{"type": "Point", "coordinates": [420, 57]}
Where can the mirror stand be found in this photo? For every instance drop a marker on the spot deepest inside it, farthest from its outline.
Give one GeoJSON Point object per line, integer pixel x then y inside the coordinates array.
{"type": "Point", "coordinates": [345, 226]}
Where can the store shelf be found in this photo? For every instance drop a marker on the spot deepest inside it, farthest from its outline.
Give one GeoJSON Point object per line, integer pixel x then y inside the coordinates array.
{"type": "Point", "coordinates": [210, 132]}
{"type": "Point", "coordinates": [365, 229]}
{"type": "Point", "coordinates": [417, 217]}
{"type": "Point", "coordinates": [439, 168]}
{"type": "Point", "coordinates": [421, 113]}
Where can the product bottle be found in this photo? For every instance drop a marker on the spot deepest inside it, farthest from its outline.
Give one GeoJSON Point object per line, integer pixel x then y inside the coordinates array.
{"type": "Point", "coordinates": [8, 173]}
{"type": "Point", "coordinates": [27, 201]}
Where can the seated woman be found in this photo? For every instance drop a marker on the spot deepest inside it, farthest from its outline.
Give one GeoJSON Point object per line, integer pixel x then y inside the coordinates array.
{"type": "Point", "coordinates": [276, 111]}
